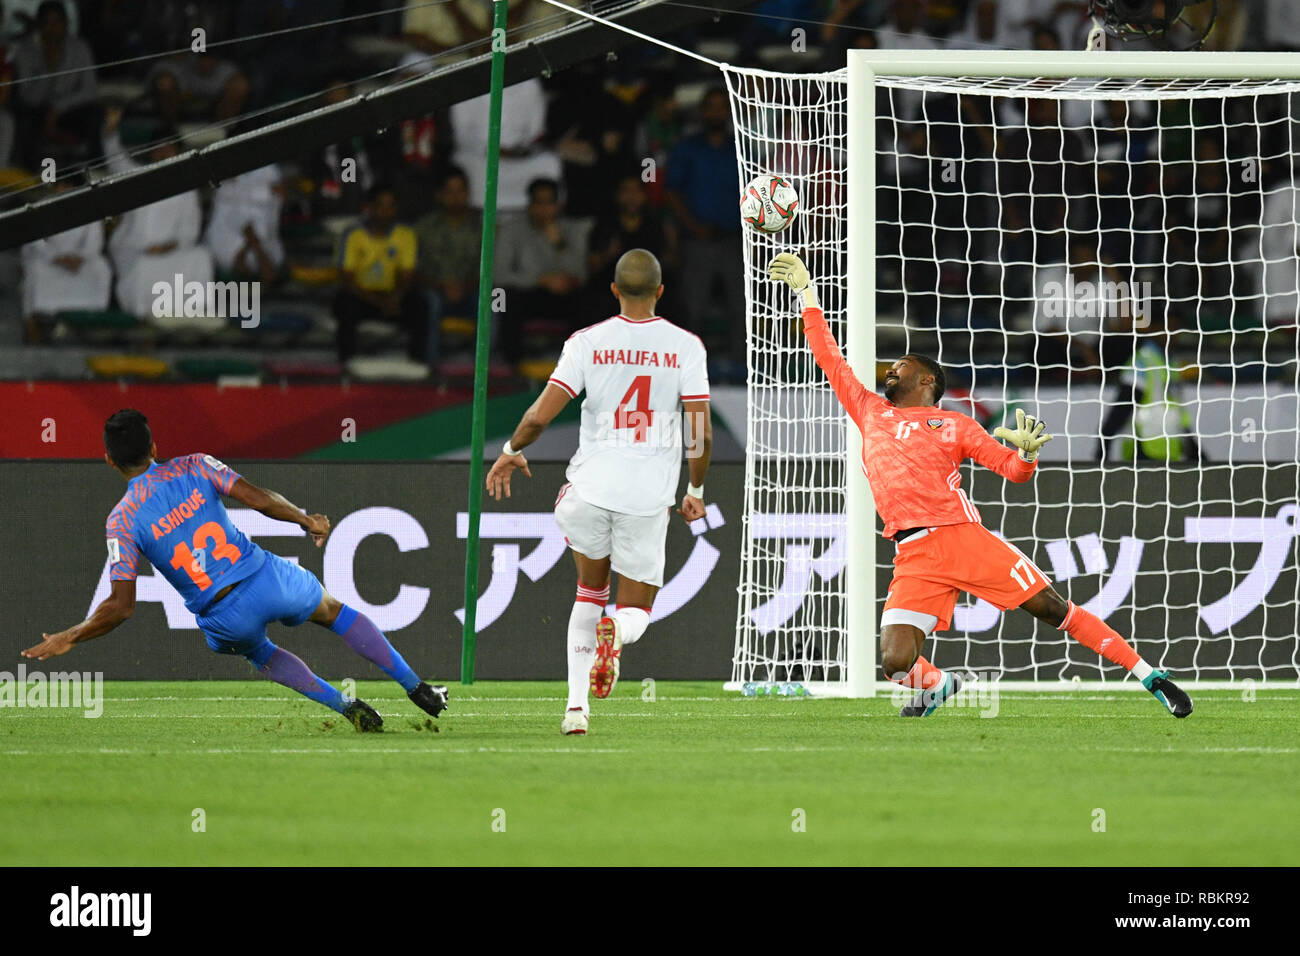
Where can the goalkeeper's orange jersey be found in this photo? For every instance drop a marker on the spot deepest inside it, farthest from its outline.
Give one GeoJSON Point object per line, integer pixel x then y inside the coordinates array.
{"type": "Point", "coordinates": [910, 455]}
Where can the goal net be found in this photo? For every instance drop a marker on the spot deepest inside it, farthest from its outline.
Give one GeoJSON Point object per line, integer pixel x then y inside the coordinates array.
{"type": "Point", "coordinates": [1114, 253]}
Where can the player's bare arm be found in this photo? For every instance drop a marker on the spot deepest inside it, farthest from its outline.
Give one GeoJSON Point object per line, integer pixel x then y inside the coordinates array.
{"type": "Point", "coordinates": [277, 506]}
{"type": "Point", "coordinates": [111, 612]}
{"type": "Point", "coordinates": [535, 421]}
{"type": "Point", "coordinates": [699, 449]}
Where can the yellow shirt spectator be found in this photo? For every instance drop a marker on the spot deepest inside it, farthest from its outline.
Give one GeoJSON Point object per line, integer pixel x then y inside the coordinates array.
{"type": "Point", "coordinates": [374, 261]}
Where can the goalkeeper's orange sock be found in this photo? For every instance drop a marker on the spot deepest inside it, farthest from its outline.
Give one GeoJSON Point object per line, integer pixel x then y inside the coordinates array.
{"type": "Point", "coordinates": [1092, 632]}
{"type": "Point", "coordinates": [922, 676]}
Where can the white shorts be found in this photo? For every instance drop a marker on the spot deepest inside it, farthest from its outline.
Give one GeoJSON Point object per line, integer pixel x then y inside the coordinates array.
{"type": "Point", "coordinates": [925, 623]}
{"type": "Point", "coordinates": [633, 543]}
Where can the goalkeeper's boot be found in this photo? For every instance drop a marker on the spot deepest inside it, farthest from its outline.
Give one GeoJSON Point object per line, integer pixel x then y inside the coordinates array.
{"type": "Point", "coordinates": [1167, 692]}
{"type": "Point", "coordinates": [609, 645]}
{"type": "Point", "coordinates": [575, 722]}
{"type": "Point", "coordinates": [928, 701]}
{"type": "Point", "coordinates": [430, 699]}
{"type": "Point", "coordinates": [363, 717]}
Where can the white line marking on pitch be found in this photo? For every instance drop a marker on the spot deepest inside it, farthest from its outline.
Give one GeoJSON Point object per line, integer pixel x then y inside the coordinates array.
{"type": "Point", "coordinates": [580, 748]}
{"type": "Point", "coordinates": [398, 715]}
{"type": "Point", "coordinates": [636, 715]}
{"type": "Point", "coordinates": [1265, 696]}
{"type": "Point", "coordinates": [298, 751]}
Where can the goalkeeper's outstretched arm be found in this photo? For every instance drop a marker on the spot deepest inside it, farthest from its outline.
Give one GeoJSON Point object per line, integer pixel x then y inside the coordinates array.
{"type": "Point", "coordinates": [853, 395]}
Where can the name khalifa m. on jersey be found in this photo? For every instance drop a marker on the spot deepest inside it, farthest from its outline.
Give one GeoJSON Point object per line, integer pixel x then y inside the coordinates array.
{"type": "Point", "coordinates": [632, 357]}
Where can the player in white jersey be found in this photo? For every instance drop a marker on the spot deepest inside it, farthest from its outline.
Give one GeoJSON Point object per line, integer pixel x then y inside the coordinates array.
{"type": "Point", "coordinates": [640, 373]}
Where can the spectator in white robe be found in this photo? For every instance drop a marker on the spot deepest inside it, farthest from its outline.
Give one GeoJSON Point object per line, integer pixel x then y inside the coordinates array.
{"type": "Point", "coordinates": [524, 155]}
{"type": "Point", "coordinates": [67, 270]}
{"type": "Point", "coordinates": [244, 231]}
{"type": "Point", "coordinates": [157, 242]}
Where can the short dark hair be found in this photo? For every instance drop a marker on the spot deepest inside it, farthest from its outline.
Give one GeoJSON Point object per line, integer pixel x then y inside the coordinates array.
{"type": "Point", "coordinates": [543, 182]}
{"type": "Point", "coordinates": [935, 369]}
{"type": "Point", "coordinates": [1044, 29]}
{"type": "Point", "coordinates": [127, 438]}
{"type": "Point", "coordinates": [378, 189]}
{"type": "Point", "coordinates": [453, 172]}
{"type": "Point", "coordinates": [637, 274]}
{"type": "Point", "coordinates": [51, 6]}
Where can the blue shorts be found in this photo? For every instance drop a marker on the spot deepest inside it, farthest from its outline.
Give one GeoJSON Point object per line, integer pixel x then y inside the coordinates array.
{"type": "Point", "coordinates": [279, 591]}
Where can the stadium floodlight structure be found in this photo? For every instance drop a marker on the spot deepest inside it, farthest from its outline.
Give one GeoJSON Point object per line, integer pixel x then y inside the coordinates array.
{"type": "Point", "coordinates": [924, 233]}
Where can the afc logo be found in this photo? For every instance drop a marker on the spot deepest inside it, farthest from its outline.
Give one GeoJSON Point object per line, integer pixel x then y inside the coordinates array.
{"type": "Point", "coordinates": [812, 549]}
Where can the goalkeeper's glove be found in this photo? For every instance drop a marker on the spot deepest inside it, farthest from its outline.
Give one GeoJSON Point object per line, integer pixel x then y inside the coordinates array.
{"type": "Point", "coordinates": [1027, 435]}
{"type": "Point", "coordinates": [788, 268]}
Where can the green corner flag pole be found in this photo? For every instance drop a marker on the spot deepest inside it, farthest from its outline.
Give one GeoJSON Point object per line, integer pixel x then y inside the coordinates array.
{"type": "Point", "coordinates": [482, 343]}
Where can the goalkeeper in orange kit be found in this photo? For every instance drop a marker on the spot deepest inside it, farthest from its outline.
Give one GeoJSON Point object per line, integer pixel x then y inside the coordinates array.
{"type": "Point", "coordinates": [911, 450]}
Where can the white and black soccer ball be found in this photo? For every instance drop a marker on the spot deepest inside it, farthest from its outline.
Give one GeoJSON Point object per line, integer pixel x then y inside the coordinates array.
{"type": "Point", "coordinates": [769, 203]}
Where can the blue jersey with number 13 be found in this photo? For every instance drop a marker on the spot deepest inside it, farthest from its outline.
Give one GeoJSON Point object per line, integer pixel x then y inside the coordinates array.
{"type": "Point", "coordinates": [172, 515]}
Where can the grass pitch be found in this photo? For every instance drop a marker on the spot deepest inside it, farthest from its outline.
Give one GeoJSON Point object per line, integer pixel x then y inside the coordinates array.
{"type": "Point", "coordinates": [694, 776]}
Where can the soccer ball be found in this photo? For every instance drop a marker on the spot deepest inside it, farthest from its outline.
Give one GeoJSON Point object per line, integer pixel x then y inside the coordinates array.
{"type": "Point", "coordinates": [769, 203]}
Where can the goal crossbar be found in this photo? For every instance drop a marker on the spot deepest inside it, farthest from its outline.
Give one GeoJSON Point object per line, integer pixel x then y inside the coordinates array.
{"type": "Point", "coordinates": [1070, 64]}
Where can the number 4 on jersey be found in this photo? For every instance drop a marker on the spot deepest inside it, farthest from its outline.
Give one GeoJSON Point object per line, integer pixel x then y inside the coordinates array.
{"type": "Point", "coordinates": [634, 408]}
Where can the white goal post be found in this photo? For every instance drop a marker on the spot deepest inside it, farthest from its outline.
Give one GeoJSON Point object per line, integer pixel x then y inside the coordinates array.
{"type": "Point", "coordinates": [1217, 593]}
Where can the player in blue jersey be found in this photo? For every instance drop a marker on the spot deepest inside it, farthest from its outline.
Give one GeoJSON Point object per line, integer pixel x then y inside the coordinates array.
{"type": "Point", "coordinates": [172, 515]}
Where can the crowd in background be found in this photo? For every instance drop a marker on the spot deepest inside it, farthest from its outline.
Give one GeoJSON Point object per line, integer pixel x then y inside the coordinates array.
{"type": "Point", "coordinates": [604, 157]}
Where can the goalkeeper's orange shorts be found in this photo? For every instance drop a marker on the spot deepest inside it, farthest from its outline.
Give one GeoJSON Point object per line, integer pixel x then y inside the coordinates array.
{"type": "Point", "coordinates": [933, 565]}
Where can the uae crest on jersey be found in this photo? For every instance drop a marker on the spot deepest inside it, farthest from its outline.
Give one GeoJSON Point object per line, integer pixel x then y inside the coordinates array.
{"type": "Point", "coordinates": [935, 423]}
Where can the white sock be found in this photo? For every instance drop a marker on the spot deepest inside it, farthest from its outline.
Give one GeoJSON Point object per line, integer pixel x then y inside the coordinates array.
{"type": "Point", "coordinates": [633, 621]}
{"type": "Point", "coordinates": [581, 642]}
{"type": "Point", "coordinates": [1142, 670]}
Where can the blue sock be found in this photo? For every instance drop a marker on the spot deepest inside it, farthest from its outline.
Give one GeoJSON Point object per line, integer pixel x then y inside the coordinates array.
{"type": "Point", "coordinates": [360, 634]}
{"type": "Point", "coordinates": [288, 669]}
